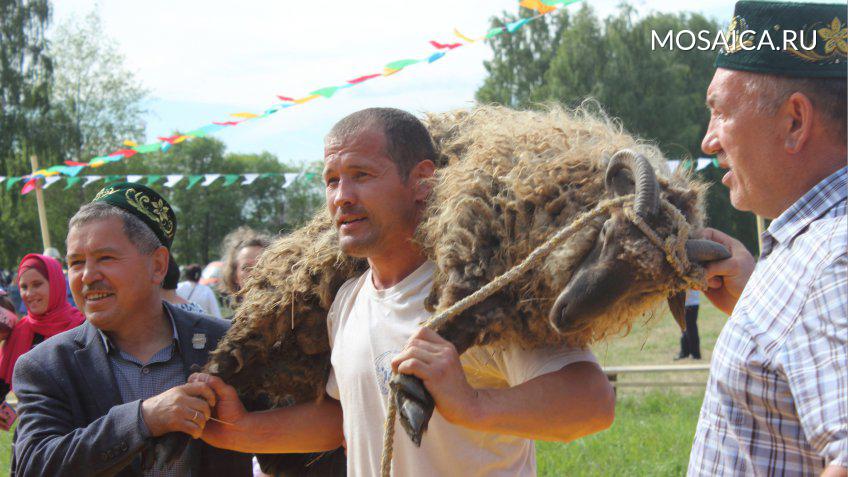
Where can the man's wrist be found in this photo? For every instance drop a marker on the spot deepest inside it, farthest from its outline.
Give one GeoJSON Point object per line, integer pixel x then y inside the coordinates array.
{"type": "Point", "coordinates": [142, 426]}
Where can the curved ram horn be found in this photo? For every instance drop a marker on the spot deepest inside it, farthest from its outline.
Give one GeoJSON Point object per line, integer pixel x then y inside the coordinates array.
{"type": "Point", "coordinates": [647, 188]}
{"type": "Point", "coordinates": [700, 250]}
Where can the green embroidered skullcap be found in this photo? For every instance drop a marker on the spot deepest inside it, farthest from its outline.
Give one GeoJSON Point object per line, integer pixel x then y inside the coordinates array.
{"type": "Point", "coordinates": [788, 39]}
{"type": "Point", "coordinates": [144, 203]}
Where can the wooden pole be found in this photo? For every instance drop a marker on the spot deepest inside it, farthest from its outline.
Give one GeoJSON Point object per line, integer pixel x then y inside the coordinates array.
{"type": "Point", "coordinates": [42, 212]}
{"type": "Point", "coordinates": [761, 227]}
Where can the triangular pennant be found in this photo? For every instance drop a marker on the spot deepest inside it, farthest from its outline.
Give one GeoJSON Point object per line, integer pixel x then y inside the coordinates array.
{"type": "Point", "coordinates": [70, 181]}
{"type": "Point", "coordinates": [48, 181]}
{"type": "Point", "coordinates": [192, 180]}
{"type": "Point", "coordinates": [230, 179]}
{"type": "Point", "coordinates": [327, 92]}
{"type": "Point", "coordinates": [112, 178]}
{"type": "Point", "coordinates": [90, 179]}
{"type": "Point", "coordinates": [2, 178]}
{"type": "Point", "coordinates": [12, 181]}
{"type": "Point", "coordinates": [152, 179]}
{"type": "Point", "coordinates": [672, 165]}
{"type": "Point", "coordinates": [29, 186]}
{"type": "Point", "coordinates": [134, 178]}
{"type": "Point", "coordinates": [702, 163]}
{"type": "Point", "coordinates": [290, 177]}
{"type": "Point", "coordinates": [249, 178]}
{"type": "Point", "coordinates": [209, 179]}
{"type": "Point", "coordinates": [173, 179]}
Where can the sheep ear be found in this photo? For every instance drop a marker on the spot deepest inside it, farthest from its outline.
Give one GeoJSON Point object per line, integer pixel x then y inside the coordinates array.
{"type": "Point", "coordinates": [677, 305]}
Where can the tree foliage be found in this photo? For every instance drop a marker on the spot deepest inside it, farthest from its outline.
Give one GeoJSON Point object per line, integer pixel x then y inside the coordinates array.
{"type": "Point", "coordinates": [656, 94]}
{"type": "Point", "coordinates": [99, 95]}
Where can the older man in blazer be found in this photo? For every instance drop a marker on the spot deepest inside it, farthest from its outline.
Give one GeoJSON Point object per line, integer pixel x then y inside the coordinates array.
{"type": "Point", "coordinates": [94, 400]}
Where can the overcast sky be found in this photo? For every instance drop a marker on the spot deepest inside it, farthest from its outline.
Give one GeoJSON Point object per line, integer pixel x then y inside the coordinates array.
{"type": "Point", "coordinates": [202, 59]}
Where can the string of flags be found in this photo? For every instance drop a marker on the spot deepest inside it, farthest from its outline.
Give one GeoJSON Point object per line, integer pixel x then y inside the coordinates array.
{"type": "Point", "coordinates": [164, 143]}
{"type": "Point", "coordinates": [167, 180]}
{"type": "Point", "coordinates": [701, 163]}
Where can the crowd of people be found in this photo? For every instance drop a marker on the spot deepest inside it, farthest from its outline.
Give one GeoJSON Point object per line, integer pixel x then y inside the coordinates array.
{"type": "Point", "coordinates": [103, 380]}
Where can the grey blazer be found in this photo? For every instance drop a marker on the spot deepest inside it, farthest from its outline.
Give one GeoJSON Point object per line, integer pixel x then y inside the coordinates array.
{"type": "Point", "coordinates": [71, 418]}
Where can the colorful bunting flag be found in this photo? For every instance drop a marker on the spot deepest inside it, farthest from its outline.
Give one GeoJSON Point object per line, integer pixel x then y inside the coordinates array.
{"type": "Point", "coordinates": [192, 180]}
{"type": "Point", "coordinates": [165, 143]}
{"type": "Point", "coordinates": [173, 179]}
{"type": "Point", "coordinates": [71, 181]}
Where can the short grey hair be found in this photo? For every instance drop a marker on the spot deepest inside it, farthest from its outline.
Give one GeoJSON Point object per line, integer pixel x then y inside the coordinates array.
{"type": "Point", "coordinates": [136, 231]}
{"type": "Point", "coordinates": [769, 92]}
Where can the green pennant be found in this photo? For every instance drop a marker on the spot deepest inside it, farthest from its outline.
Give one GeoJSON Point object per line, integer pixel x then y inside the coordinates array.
{"type": "Point", "coordinates": [715, 162]}
{"type": "Point", "coordinates": [113, 178]}
{"type": "Point", "coordinates": [70, 181]}
{"type": "Point", "coordinates": [230, 179]}
{"type": "Point", "coordinates": [193, 180]}
{"type": "Point", "coordinates": [495, 32]}
{"type": "Point", "coordinates": [266, 175]}
{"type": "Point", "coordinates": [327, 92]}
{"type": "Point", "coordinates": [145, 148]}
{"type": "Point", "coordinates": [401, 64]}
{"type": "Point", "coordinates": [12, 181]}
{"type": "Point", "coordinates": [152, 179]}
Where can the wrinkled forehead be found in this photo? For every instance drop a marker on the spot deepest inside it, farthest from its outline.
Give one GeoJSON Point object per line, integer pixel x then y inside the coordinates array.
{"type": "Point", "coordinates": [97, 234]}
{"type": "Point", "coordinates": [726, 85]}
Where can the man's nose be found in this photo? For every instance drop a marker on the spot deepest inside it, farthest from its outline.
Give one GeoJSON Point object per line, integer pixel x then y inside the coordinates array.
{"type": "Point", "coordinates": [710, 144]}
{"type": "Point", "coordinates": [90, 272]}
{"type": "Point", "coordinates": [345, 194]}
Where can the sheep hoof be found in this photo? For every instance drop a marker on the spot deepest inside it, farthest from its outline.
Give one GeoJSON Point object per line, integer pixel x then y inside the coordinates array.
{"type": "Point", "coordinates": [415, 405]}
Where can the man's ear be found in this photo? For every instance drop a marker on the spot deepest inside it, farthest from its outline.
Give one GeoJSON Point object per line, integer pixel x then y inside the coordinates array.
{"type": "Point", "coordinates": [161, 257]}
{"type": "Point", "coordinates": [799, 109]}
{"type": "Point", "coordinates": [422, 174]}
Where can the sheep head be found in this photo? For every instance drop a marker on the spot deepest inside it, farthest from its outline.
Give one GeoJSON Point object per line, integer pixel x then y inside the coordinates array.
{"type": "Point", "coordinates": [622, 271]}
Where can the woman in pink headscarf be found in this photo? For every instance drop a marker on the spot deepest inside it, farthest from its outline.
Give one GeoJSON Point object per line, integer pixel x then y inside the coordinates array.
{"type": "Point", "coordinates": [42, 285]}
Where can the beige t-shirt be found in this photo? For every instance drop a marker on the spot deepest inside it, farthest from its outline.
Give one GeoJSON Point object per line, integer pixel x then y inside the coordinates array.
{"type": "Point", "coordinates": [367, 328]}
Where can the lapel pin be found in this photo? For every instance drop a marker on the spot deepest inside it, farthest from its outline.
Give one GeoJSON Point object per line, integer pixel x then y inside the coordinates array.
{"type": "Point", "coordinates": [198, 341]}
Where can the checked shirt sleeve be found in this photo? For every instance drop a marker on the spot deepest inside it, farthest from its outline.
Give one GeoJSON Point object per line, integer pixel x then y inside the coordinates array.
{"type": "Point", "coordinates": [815, 360]}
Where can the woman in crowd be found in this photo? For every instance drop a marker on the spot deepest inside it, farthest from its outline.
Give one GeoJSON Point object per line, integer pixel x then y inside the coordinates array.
{"type": "Point", "coordinates": [42, 285]}
{"type": "Point", "coordinates": [242, 248]}
{"type": "Point", "coordinates": [191, 290]}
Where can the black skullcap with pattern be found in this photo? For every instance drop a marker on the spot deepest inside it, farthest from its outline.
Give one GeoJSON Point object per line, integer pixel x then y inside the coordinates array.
{"type": "Point", "coordinates": [819, 49]}
{"type": "Point", "coordinates": [144, 203]}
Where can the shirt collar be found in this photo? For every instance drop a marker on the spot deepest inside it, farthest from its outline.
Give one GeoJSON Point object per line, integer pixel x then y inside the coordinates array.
{"type": "Point", "coordinates": [107, 343]}
{"type": "Point", "coordinates": [816, 202]}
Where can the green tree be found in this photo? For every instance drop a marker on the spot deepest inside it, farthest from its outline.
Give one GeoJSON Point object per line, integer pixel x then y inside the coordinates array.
{"type": "Point", "coordinates": [25, 79]}
{"type": "Point", "coordinates": [656, 94]}
{"type": "Point", "coordinates": [100, 96]}
{"type": "Point", "coordinates": [520, 59]}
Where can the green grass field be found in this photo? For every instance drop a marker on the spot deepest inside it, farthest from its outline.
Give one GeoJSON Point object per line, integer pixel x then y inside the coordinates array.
{"type": "Point", "coordinates": [653, 428]}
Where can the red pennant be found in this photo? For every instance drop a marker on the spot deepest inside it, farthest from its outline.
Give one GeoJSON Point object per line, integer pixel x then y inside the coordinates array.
{"type": "Point", "coordinates": [125, 152]}
{"type": "Point", "coordinates": [226, 123]}
{"type": "Point", "coordinates": [29, 186]}
{"type": "Point", "coordinates": [75, 163]}
{"type": "Point", "coordinates": [442, 46]}
{"type": "Point", "coordinates": [285, 98]}
{"type": "Point", "coordinates": [363, 78]}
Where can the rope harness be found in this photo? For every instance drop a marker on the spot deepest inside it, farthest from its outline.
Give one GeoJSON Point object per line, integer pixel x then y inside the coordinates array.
{"type": "Point", "coordinates": [675, 255]}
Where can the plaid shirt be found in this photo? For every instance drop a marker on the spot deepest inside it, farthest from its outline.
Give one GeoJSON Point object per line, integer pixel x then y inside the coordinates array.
{"type": "Point", "coordinates": [777, 398]}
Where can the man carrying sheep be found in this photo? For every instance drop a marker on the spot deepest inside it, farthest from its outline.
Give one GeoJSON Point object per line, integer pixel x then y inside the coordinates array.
{"type": "Point", "coordinates": [776, 399]}
{"type": "Point", "coordinates": [490, 402]}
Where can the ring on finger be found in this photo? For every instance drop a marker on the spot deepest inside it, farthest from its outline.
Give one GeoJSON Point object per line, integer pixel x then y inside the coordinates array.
{"type": "Point", "coordinates": [194, 418]}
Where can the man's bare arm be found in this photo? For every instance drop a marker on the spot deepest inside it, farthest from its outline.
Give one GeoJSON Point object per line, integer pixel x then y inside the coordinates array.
{"type": "Point", "coordinates": [563, 405]}
{"type": "Point", "coordinates": [308, 427]}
